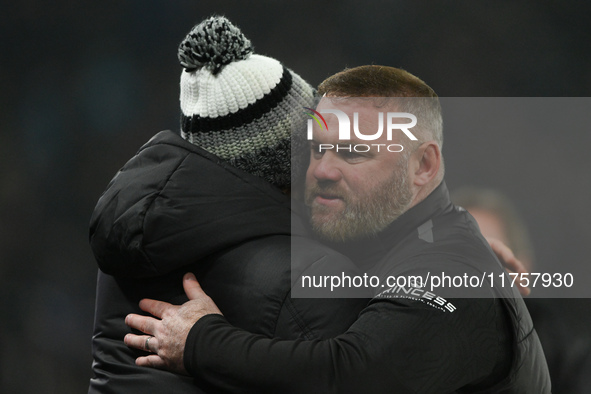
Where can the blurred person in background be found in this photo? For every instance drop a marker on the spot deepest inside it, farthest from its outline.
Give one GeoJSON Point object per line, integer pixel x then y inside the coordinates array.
{"type": "Point", "coordinates": [568, 353]}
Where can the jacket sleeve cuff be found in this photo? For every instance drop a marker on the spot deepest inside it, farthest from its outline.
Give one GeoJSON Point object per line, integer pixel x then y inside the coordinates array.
{"type": "Point", "coordinates": [195, 344]}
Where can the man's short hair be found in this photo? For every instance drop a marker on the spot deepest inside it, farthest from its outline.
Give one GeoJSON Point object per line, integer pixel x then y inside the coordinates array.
{"type": "Point", "coordinates": [384, 81]}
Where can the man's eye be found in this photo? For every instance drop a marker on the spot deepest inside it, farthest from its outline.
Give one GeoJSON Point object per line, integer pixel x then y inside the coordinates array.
{"type": "Point", "coordinates": [315, 150]}
{"type": "Point", "coordinates": [351, 156]}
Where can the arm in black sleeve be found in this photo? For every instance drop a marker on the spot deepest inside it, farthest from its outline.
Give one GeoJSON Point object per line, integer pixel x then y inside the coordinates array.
{"type": "Point", "coordinates": [402, 346]}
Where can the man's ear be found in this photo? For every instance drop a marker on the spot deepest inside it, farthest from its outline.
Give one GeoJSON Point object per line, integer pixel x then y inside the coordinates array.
{"type": "Point", "coordinates": [428, 156]}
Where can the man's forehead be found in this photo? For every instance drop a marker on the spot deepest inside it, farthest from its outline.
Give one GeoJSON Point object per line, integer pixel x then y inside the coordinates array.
{"type": "Point", "coordinates": [371, 103]}
{"type": "Point", "coordinates": [358, 110]}
{"type": "Point", "coordinates": [361, 119]}
{"type": "Point", "coordinates": [368, 111]}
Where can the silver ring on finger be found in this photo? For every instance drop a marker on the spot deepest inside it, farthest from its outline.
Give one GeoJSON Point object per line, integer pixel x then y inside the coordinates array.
{"type": "Point", "coordinates": [147, 344]}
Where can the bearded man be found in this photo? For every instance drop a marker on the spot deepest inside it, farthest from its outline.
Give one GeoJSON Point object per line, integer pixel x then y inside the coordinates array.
{"type": "Point", "coordinates": [388, 209]}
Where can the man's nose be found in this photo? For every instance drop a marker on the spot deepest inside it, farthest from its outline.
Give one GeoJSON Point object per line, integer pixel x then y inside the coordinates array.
{"type": "Point", "coordinates": [326, 168]}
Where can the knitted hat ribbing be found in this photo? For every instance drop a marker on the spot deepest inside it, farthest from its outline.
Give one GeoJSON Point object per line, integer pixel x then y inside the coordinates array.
{"type": "Point", "coordinates": [237, 105]}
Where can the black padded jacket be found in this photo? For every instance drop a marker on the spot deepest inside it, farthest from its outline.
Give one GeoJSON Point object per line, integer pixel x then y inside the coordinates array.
{"type": "Point", "coordinates": [175, 208]}
{"type": "Point", "coordinates": [409, 339]}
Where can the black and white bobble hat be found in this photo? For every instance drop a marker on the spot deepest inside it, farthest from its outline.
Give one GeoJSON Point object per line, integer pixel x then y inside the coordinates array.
{"type": "Point", "coordinates": [237, 105]}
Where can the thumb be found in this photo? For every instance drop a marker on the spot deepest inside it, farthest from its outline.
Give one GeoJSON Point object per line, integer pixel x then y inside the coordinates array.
{"type": "Point", "coordinates": [192, 287]}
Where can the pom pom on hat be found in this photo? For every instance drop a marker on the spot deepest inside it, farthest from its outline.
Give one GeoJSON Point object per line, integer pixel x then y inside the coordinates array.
{"type": "Point", "coordinates": [212, 44]}
{"type": "Point", "coordinates": [240, 106]}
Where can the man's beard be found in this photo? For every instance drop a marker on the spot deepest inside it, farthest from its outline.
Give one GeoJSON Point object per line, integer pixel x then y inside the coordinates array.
{"type": "Point", "coordinates": [365, 214]}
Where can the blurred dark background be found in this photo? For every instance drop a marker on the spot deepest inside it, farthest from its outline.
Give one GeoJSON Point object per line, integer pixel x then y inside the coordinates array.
{"type": "Point", "coordinates": [85, 84]}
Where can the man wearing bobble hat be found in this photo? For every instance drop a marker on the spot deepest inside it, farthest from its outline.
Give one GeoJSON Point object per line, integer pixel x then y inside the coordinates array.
{"type": "Point", "coordinates": [212, 201]}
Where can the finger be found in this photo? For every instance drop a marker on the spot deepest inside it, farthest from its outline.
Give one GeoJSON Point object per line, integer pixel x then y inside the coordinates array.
{"type": "Point", "coordinates": [505, 254]}
{"type": "Point", "coordinates": [515, 265]}
{"type": "Point", "coordinates": [139, 342]}
{"type": "Point", "coordinates": [152, 361]}
{"type": "Point", "coordinates": [156, 308]}
{"type": "Point", "coordinates": [524, 291]}
{"type": "Point", "coordinates": [192, 287]}
{"type": "Point", "coordinates": [501, 250]}
{"type": "Point", "coordinates": [144, 324]}
{"type": "Point", "coordinates": [512, 263]}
